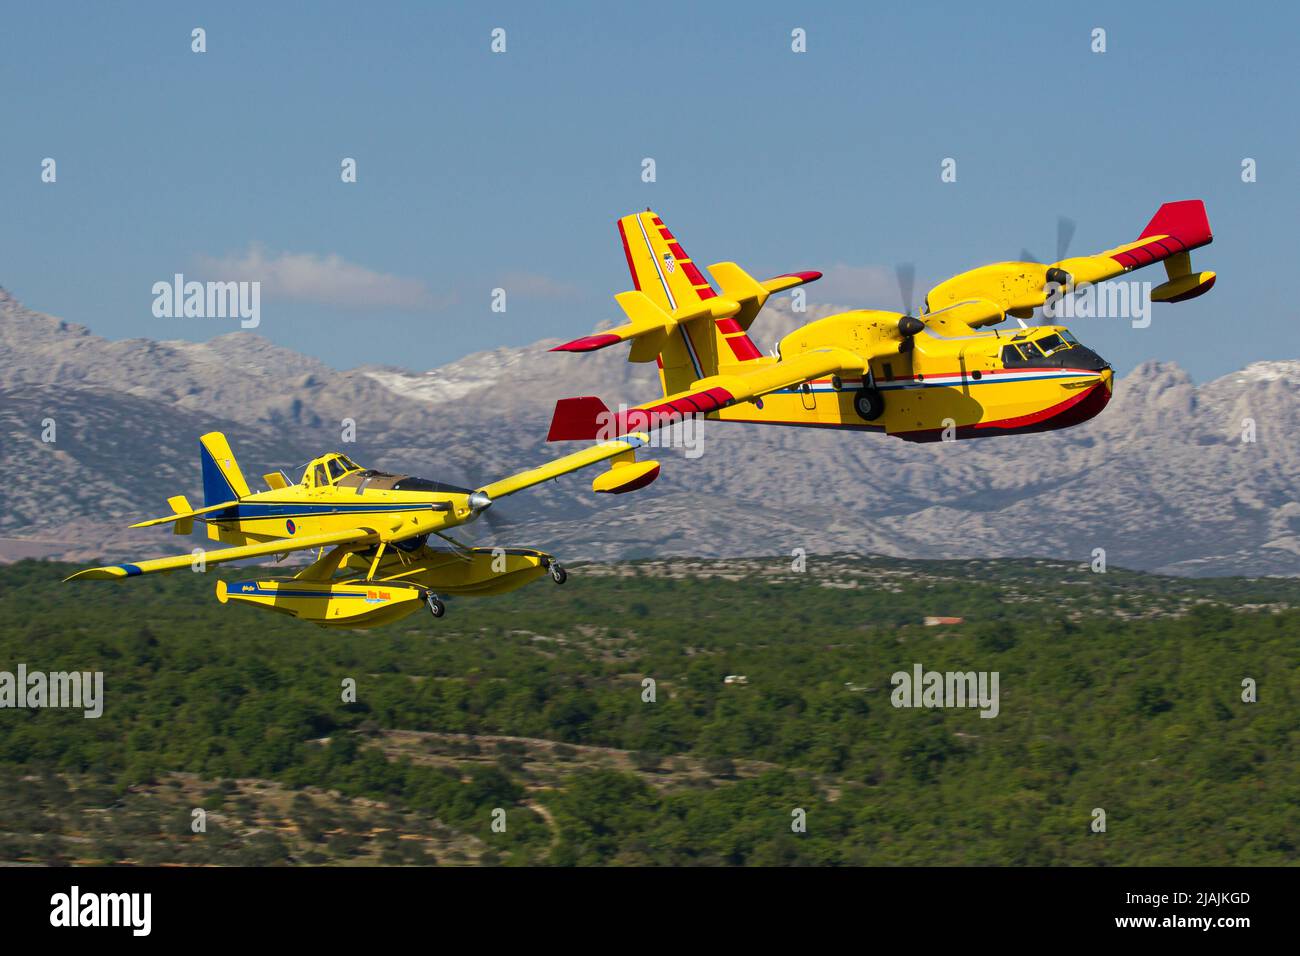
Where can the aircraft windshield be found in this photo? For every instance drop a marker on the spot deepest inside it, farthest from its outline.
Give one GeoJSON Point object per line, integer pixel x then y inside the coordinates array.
{"type": "Point", "coordinates": [1050, 343]}
{"type": "Point", "coordinates": [336, 468]}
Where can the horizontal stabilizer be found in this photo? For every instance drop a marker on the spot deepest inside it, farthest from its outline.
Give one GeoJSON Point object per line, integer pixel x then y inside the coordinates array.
{"type": "Point", "coordinates": [789, 281]}
{"type": "Point", "coordinates": [749, 294]}
{"type": "Point", "coordinates": [649, 325]}
{"type": "Point", "coordinates": [186, 515]}
{"type": "Point", "coordinates": [589, 343]}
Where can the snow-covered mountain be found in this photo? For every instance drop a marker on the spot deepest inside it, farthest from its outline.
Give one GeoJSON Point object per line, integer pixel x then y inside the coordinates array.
{"type": "Point", "coordinates": [1161, 480]}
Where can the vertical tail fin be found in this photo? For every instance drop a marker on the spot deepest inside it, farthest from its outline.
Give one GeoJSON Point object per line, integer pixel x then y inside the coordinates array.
{"type": "Point", "coordinates": [663, 271]}
{"type": "Point", "coordinates": [675, 315]}
{"type": "Point", "coordinates": [222, 479]}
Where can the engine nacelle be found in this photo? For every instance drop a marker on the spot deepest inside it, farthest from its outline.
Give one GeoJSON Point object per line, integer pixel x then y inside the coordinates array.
{"type": "Point", "coordinates": [1013, 285]}
{"type": "Point", "coordinates": [860, 331]}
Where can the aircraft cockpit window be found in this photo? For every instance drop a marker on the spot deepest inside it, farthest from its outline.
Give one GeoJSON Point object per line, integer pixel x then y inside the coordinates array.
{"type": "Point", "coordinates": [318, 477]}
{"type": "Point", "coordinates": [1069, 337]}
{"type": "Point", "coordinates": [1050, 343]}
{"type": "Point", "coordinates": [349, 464]}
{"type": "Point", "coordinates": [336, 469]}
{"type": "Point", "coordinates": [1010, 355]}
{"type": "Point", "coordinates": [1030, 351]}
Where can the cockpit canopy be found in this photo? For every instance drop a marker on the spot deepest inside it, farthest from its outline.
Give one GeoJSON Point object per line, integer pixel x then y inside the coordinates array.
{"type": "Point", "coordinates": [328, 469]}
{"type": "Point", "coordinates": [342, 472]}
{"type": "Point", "coordinates": [1049, 348]}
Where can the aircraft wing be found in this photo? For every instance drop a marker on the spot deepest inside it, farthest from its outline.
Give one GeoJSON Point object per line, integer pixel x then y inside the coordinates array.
{"type": "Point", "coordinates": [985, 296]}
{"type": "Point", "coordinates": [588, 417]}
{"type": "Point", "coordinates": [280, 546]}
{"type": "Point", "coordinates": [564, 465]}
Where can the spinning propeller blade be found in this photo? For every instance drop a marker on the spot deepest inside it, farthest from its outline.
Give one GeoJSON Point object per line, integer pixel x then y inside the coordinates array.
{"type": "Point", "coordinates": [905, 273]}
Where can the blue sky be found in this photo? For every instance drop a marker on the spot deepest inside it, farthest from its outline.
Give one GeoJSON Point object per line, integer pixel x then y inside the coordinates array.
{"type": "Point", "coordinates": [478, 170]}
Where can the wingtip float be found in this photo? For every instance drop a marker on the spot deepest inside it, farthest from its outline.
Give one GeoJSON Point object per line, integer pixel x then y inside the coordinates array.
{"type": "Point", "coordinates": [944, 373]}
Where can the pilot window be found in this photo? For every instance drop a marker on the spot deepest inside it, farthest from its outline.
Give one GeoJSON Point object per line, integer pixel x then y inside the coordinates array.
{"type": "Point", "coordinates": [318, 477]}
{"type": "Point", "coordinates": [1065, 334]}
{"type": "Point", "coordinates": [336, 469]}
{"type": "Point", "coordinates": [1010, 355]}
{"type": "Point", "coordinates": [1030, 351]}
{"type": "Point", "coordinates": [1050, 343]}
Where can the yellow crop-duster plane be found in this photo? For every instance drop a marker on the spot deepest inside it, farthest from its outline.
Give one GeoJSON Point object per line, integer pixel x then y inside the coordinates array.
{"type": "Point", "coordinates": [944, 373]}
{"type": "Point", "coordinates": [371, 530]}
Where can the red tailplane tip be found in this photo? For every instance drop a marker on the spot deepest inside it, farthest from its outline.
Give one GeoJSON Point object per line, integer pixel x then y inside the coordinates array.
{"type": "Point", "coordinates": [588, 343]}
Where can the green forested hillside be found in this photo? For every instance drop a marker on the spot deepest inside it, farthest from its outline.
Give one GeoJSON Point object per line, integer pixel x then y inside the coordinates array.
{"type": "Point", "coordinates": [1118, 691]}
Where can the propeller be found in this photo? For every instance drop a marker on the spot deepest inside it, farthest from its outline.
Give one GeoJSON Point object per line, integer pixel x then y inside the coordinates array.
{"type": "Point", "coordinates": [482, 504]}
{"type": "Point", "coordinates": [908, 324]}
{"type": "Point", "coordinates": [1065, 229]}
{"type": "Point", "coordinates": [905, 273]}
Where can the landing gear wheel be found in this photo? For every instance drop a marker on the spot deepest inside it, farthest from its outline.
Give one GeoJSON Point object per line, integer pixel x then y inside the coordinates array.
{"type": "Point", "coordinates": [436, 607]}
{"type": "Point", "coordinates": [558, 574]}
{"type": "Point", "coordinates": [869, 404]}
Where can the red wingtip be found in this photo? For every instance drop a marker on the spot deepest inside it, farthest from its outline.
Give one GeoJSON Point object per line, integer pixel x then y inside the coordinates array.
{"type": "Point", "coordinates": [639, 483]}
{"type": "Point", "coordinates": [588, 343]}
{"type": "Point", "coordinates": [1185, 220]}
{"type": "Point", "coordinates": [803, 276]}
{"type": "Point", "coordinates": [577, 419]}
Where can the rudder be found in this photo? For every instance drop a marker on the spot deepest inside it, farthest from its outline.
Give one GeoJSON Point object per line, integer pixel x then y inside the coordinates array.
{"type": "Point", "coordinates": [222, 479]}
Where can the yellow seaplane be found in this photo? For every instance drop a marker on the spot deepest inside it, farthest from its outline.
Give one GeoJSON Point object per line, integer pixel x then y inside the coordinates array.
{"type": "Point", "coordinates": [944, 373]}
{"type": "Point", "coordinates": [371, 531]}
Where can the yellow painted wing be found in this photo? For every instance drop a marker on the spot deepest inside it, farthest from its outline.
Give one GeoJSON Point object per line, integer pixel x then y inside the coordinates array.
{"type": "Point", "coordinates": [114, 571]}
{"type": "Point", "coordinates": [985, 296]}
{"type": "Point", "coordinates": [564, 465]}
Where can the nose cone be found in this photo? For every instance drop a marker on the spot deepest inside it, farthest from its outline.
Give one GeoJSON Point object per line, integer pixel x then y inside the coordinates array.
{"type": "Point", "coordinates": [1084, 358]}
{"type": "Point", "coordinates": [1084, 404]}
